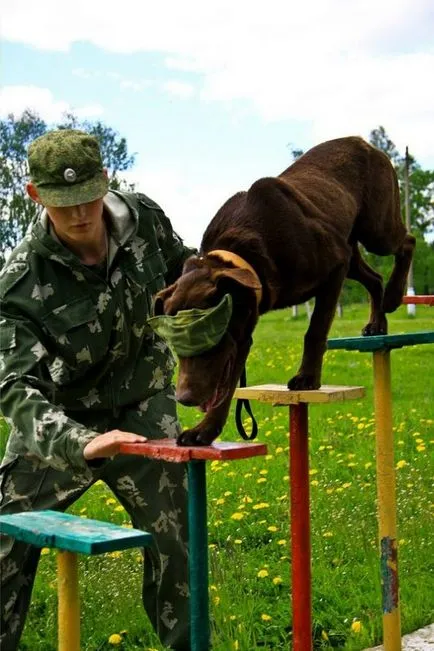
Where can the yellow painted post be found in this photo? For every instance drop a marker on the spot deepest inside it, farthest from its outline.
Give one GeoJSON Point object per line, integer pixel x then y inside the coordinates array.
{"type": "Point", "coordinates": [69, 601]}
{"type": "Point", "coordinates": [386, 492]}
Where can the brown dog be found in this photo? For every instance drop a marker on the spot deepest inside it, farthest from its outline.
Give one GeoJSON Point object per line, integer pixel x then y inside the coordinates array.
{"type": "Point", "coordinates": [288, 239]}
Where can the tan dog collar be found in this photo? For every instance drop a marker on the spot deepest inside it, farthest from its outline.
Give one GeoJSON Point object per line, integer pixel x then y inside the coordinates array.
{"type": "Point", "coordinates": [238, 261]}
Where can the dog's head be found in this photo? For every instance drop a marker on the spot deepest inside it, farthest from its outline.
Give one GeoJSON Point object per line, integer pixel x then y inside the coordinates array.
{"type": "Point", "coordinates": [207, 378]}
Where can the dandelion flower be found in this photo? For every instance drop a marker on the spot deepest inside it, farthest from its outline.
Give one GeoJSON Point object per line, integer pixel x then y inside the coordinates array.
{"type": "Point", "coordinates": [401, 464]}
{"type": "Point", "coordinates": [272, 528]}
{"type": "Point", "coordinates": [266, 618]}
{"type": "Point", "coordinates": [45, 551]}
{"type": "Point", "coordinates": [115, 639]}
{"type": "Point", "coordinates": [237, 516]}
{"type": "Point", "coordinates": [262, 574]}
{"type": "Point", "coordinates": [356, 626]}
{"type": "Point", "coordinates": [277, 580]}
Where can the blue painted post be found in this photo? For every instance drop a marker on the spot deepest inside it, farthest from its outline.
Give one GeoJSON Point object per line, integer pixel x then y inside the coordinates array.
{"type": "Point", "coordinates": [198, 544]}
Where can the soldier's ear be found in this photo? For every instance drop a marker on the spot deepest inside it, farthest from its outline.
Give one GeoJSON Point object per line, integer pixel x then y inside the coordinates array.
{"type": "Point", "coordinates": [33, 193]}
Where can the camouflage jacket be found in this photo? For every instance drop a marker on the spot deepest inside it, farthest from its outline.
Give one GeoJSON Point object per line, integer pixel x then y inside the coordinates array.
{"type": "Point", "coordinates": [74, 339]}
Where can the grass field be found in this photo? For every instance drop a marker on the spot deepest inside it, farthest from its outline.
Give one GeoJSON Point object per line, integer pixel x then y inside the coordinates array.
{"type": "Point", "coordinates": [248, 513]}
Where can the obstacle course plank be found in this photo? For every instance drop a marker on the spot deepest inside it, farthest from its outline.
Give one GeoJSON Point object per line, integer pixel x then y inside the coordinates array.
{"type": "Point", "coordinates": [381, 342]}
{"type": "Point", "coordinates": [168, 450]}
{"type": "Point", "coordinates": [422, 299]}
{"type": "Point", "coordinates": [280, 395]}
{"type": "Point", "coordinates": [71, 533]}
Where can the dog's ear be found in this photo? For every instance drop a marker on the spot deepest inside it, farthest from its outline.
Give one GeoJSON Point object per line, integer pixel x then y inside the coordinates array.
{"type": "Point", "coordinates": [161, 298]}
{"type": "Point", "coordinates": [243, 277]}
{"type": "Point", "coordinates": [193, 262]}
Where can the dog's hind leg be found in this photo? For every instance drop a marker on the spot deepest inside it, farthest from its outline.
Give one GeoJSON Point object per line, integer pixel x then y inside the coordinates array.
{"type": "Point", "coordinates": [395, 287]}
{"type": "Point", "coordinates": [315, 339]}
{"type": "Point", "coordinates": [360, 270]}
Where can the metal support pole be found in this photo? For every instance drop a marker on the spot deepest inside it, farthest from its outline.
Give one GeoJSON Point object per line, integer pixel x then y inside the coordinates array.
{"type": "Point", "coordinates": [198, 554]}
{"type": "Point", "coordinates": [411, 308]}
{"type": "Point", "coordinates": [300, 528]}
{"type": "Point", "coordinates": [386, 492]}
{"type": "Point", "coordinates": [69, 601]}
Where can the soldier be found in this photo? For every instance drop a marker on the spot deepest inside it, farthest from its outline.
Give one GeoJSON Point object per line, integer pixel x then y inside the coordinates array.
{"type": "Point", "coordinates": [82, 372]}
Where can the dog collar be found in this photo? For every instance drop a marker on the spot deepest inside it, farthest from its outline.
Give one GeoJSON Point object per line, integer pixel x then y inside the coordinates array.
{"type": "Point", "coordinates": [238, 261]}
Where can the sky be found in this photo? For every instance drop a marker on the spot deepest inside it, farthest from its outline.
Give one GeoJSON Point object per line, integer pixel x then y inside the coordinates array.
{"type": "Point", "coordinates": [214, 95]}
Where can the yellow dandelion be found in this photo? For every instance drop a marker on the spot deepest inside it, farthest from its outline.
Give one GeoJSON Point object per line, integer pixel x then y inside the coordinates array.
{"type": "Point", "coordinates": [261, 505]}
{"type": "Point", "coordinates": [227, 493]}
{"type": "Point", "coordinates": [266, 618]}
{"type": "Point", "coordinates": [237, 516]}
{"type": "Point", "coordinates": [401, 464]}
{"type": "Point", "coordinates": [356, 626]}
{"type": "Point", "coordinates": [261, 480]}
{"type": "Point", "coordinates": [272, 528]}
{"type": "Point", "coordinates": [238, 541]}
{"type": "Point", "coordinates": [281, 542]}
{"type": "Point", "coordinates": [421, 448]}
{"type": "Point", "coordinates": [220, 501]}
{"type": "Point", "coordinates": [115, 639]}
{"type": "Point", "coordinates": [262, 574]}
{"type": "Point", "coordinates": [327, 534]}
{"type": "Point", "coordinates": [110, 501]}
{"type": "Point", "coordinates": [314, 482]}
{"type": "Point", "coordinates": [45, 551]}
{"type": "Point", "coordinates": [119, 508]}
{"type": "Point", "coordinates": [313, 471]}
{"type": "Point", "coordinates": [277, 580]}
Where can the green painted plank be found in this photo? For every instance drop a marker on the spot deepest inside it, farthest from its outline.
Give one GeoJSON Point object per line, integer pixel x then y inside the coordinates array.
{"type": "Point", "coordinates": [70, 532]}
{"type": "Point", "coordinates": [381, 342]}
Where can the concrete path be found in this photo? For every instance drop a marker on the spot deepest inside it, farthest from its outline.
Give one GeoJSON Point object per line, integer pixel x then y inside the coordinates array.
{"type": "Point", "coordinates": [421, 640]}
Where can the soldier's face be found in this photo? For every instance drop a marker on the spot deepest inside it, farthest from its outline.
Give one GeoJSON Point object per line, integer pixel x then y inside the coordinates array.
{"type": "Point", "coordinates": [80, 224]}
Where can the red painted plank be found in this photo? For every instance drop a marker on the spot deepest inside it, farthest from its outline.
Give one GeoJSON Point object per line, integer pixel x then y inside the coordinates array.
{"type": "Point", "coordinates": [422, 299]}
{"type": "Point", "coordinates": [167, 450]}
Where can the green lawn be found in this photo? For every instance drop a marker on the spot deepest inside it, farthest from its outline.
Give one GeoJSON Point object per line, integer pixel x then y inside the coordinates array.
{"type": "Point", "coordinates": [248, 512]}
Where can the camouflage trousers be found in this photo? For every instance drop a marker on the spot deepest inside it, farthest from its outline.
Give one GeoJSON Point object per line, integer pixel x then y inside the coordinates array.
{"type": "Point", "coordinates": [154, 495]}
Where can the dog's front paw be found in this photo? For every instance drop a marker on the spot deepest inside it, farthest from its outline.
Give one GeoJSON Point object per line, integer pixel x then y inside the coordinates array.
{"type": "Point", "coordinates": [301, 382]}
{"type": "Point", "coordinates": [375, 328]}
{"type": "Point", "coordinates": [195, 437]}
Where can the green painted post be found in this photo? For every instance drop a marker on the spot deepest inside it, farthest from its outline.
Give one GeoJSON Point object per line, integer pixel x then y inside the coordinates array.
{"type": "Point", "coordinates": [198, 567]}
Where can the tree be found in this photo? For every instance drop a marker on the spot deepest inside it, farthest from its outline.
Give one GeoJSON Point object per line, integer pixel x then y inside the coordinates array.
{"type": "Point", "coordinates": [17, 210]}
{"type": "Point", "coordinates": [421, 183]}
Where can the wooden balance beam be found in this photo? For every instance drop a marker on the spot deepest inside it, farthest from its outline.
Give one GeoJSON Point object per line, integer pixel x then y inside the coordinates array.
{"type": "Point", "coordinates": [422, 299]}
{"type": "Point", "coordinates": [381, 346]}
{"type": "Point", "coordinates": [70, 535]}
{"type": "Point", "coordinates": [298, 401]}
{"type": "Point", "coordinates": [196, 457]}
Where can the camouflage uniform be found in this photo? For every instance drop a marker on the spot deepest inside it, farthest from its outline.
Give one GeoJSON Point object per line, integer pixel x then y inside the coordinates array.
{"type": "Point", "coordinates": [77, 359]}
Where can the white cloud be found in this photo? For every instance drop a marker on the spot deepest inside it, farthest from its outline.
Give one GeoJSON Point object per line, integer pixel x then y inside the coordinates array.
{"type": "Point", "coordinates": [16, 99]}
{"type": "Point", "coordinates": [189, 206]}
{"type": "Point", "coordinates": [179, 89]}
{"type": "Point", "coordinates": [339, 67]}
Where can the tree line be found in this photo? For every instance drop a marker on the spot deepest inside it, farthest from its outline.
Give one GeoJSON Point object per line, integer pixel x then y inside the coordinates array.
{"type": "Point", "coordinates": [17, 211]}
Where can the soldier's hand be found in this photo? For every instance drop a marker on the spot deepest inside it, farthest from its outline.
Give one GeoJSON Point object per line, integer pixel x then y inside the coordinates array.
{"type": "Point", "coordinates": [108, 444]}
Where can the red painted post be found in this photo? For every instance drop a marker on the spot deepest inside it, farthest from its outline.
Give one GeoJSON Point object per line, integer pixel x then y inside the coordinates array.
{"type": "Point", "coordinates": [300, 528]}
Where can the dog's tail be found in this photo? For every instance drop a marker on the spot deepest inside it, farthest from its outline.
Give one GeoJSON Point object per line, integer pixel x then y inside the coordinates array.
{"type": "Point", "coordinates": [396, 285]}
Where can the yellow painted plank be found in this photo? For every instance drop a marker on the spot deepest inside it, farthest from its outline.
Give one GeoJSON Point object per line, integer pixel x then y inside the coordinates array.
{"type": "Point", "coordinates": [279, 395]}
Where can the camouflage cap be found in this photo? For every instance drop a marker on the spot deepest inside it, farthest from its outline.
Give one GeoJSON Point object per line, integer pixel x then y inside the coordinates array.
{"type": "Point", "coordinates": [192, 332]}
{"type": "Point", "coordinates": [66, 168]}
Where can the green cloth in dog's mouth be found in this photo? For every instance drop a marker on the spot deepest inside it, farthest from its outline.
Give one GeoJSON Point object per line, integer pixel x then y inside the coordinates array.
{"type": "Point", "coordinates": [192, 332]}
